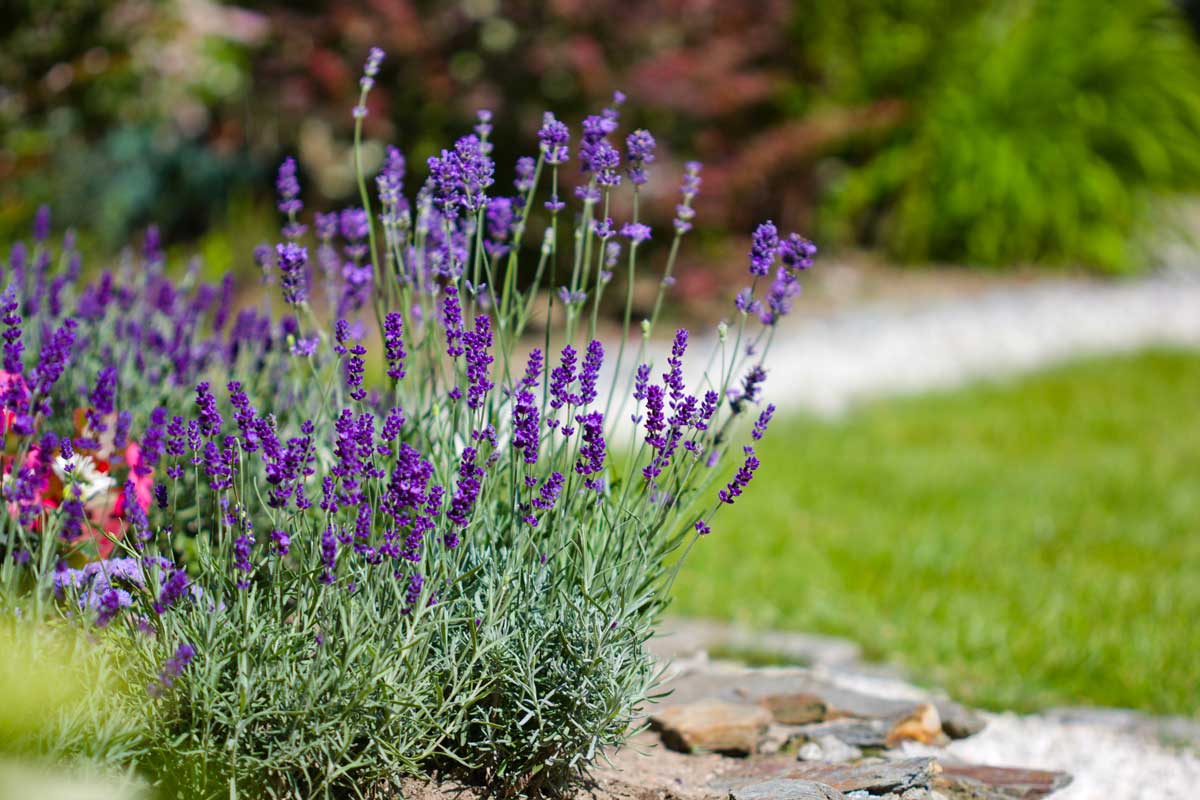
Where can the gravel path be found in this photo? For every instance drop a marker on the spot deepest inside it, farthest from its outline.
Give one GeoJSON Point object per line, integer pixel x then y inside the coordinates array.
{"type": "Point", "coordinates": [1111, 754]}
{"type": "Point", "coordinates": [1109, 761]}
{"type": "Point", "coordinates": [826, 364]}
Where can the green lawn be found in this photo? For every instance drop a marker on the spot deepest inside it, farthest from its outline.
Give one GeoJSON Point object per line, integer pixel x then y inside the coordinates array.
{"type": "Point", "coordinates": [1021, 544]}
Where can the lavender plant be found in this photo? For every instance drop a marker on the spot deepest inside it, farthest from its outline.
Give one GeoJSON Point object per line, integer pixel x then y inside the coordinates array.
{"type": "Point", "coordinates": [331, 582]}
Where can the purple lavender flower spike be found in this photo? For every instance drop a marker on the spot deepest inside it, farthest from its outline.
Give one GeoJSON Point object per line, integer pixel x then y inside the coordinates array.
{"type": "Point", "coordinates": [329, 553]}
{"type": "Point", "coordinates": [554, 137]}
{"type": "Point", "coordinates": [561, 378]}
{"type": "Point", "coordinates": [525, 426]}
{"type": "Point", "coordinates": [41, 224]}
{"type": "Point", "coordinates": [750, 388]}
{"type": "Point", "coordinates": [797, 252]}
{"type": "Point", "coordinates": [778, 302]}
{"type": "Point", "coordinates": [367, 81]}
{"type": "Point", "coordinates": [242, 547]}
{"type": "Point", "coordinates": [639, 150]}
{"type": "Point", "coordinates": [741, 479]}
{"type": "Point", "coordinates": [477, 343]}
{"type": "Point", "coordinates": [606, 162]}
{"type": "Point", "coordinates": [465, 495]}
{"type": "Point", "coordinates": [500, 218]}
{"type": "Point", "coordinates": [281, 542]}
{"type": "Point", "coordinates": [121, 429]}
{"type": "Point", "coordinates": [483, 125]}
{"type": "Point", "coordinates": [53, 360]}
{"type": "Point", "coordinates": [673, 378]}
{"type": "Point", "coordinates": [393, 330]}
{"type": "Point", "coordinates": [209, 418]}
{"type": "Point", "coordinates": [548, 494]}
{"type": "Point", "coordinates": [287, 186]}
{"type": "Point", "coordinates": [134, 515]}
{"type": "Point", "coordinates": [453, 322]}
{"type": "Point", "coordinates": [293, 260]}
{"type": "Point", "coordinates": [641, 379]}
{"type": "Point", "coordinates": [355, 228]}
{"type": "Point", "coordinates": [390, 179]}
{"type": "Point", "coordinates": [533, 369]}
{"type": "Point", "coordinates": [460, 177]}
{"type": "Point", "coordinates": [656, 420]}
{"type": "Point", "coordinates": [593, 359]}
{"type": "Point", "coordinates": [763, 249]}
{"type": "Point", "coordinates": [525, 169]}
{"type": "Point", "coordinates": [764, 418]}
{"type": "Point", "coordinates": [592, 451]}
{"type": "Point", "coordinates": [175, 588]}
{"type": "Point", "coordinates": [707, 409]}
{"type": "Point", "coordinates": [690, 187]}
{"type": "Point", "coordinates": [636, 232]}
{"type": "Point", "coordinates": [412, 593]}
{"type": "Point", "coordinates": [172, 669]}
{"type": "Point", "coordinates": [102, 399]}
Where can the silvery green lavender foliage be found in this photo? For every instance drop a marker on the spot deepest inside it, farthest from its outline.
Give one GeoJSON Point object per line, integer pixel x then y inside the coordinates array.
{"type": "Point", "coordinates": [339, 583]}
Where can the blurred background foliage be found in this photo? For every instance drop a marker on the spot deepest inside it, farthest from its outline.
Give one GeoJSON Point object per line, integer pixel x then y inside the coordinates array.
{"type": "Point", "coordinates": [1047, 131]}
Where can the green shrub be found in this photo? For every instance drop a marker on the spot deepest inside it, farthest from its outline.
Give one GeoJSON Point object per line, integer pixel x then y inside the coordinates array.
{"type": "Point", "coordinates": [1040, 131]}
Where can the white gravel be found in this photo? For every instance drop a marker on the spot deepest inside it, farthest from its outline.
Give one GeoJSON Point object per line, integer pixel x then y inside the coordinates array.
{"type": "Point", "coordinates": [827, 364]}
{"type": "Point", "coordinates": [1111, 754]}
{"type": "Point", "coordinates": [1108, 762]}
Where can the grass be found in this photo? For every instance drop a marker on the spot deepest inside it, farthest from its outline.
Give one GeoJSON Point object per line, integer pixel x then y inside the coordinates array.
{"type": "Point", "coordinates": [1022, 544]}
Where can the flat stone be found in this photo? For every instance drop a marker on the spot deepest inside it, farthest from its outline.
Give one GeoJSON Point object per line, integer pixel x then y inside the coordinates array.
{"type": "Point", "coordinates": [796, 708]}
{"type": "Point", "coordinates": [787, 789]}
{"type": "Point", "coordinates": [876, 778]}
{"type": "Point", "coordinates": [712, 725]}
{"type": "Point", "coordinates": [999, 783]}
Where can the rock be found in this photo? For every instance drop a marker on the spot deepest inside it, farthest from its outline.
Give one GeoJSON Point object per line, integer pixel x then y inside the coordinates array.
{"type": "Point", "coordinates": [876, 778]}
{"type": "Point", "coordinates": [796, 708]}
{"type": "Point", "coordinates": [712, 725]}
{"type": "Point", "coordinates": [870, 734]}
{"type": "Point", "coordinates": [958, 721]}
{"type": "Point", "coordinates": [787, 789]}
{"type": "Point", "coordinates": [978, 782]}
{"type": "Point", "coordinates": [919, 723]}
{"type": "Point", "coordinates": [775, 740]}
{"type": "Point", "coordinates": [828, 748]}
